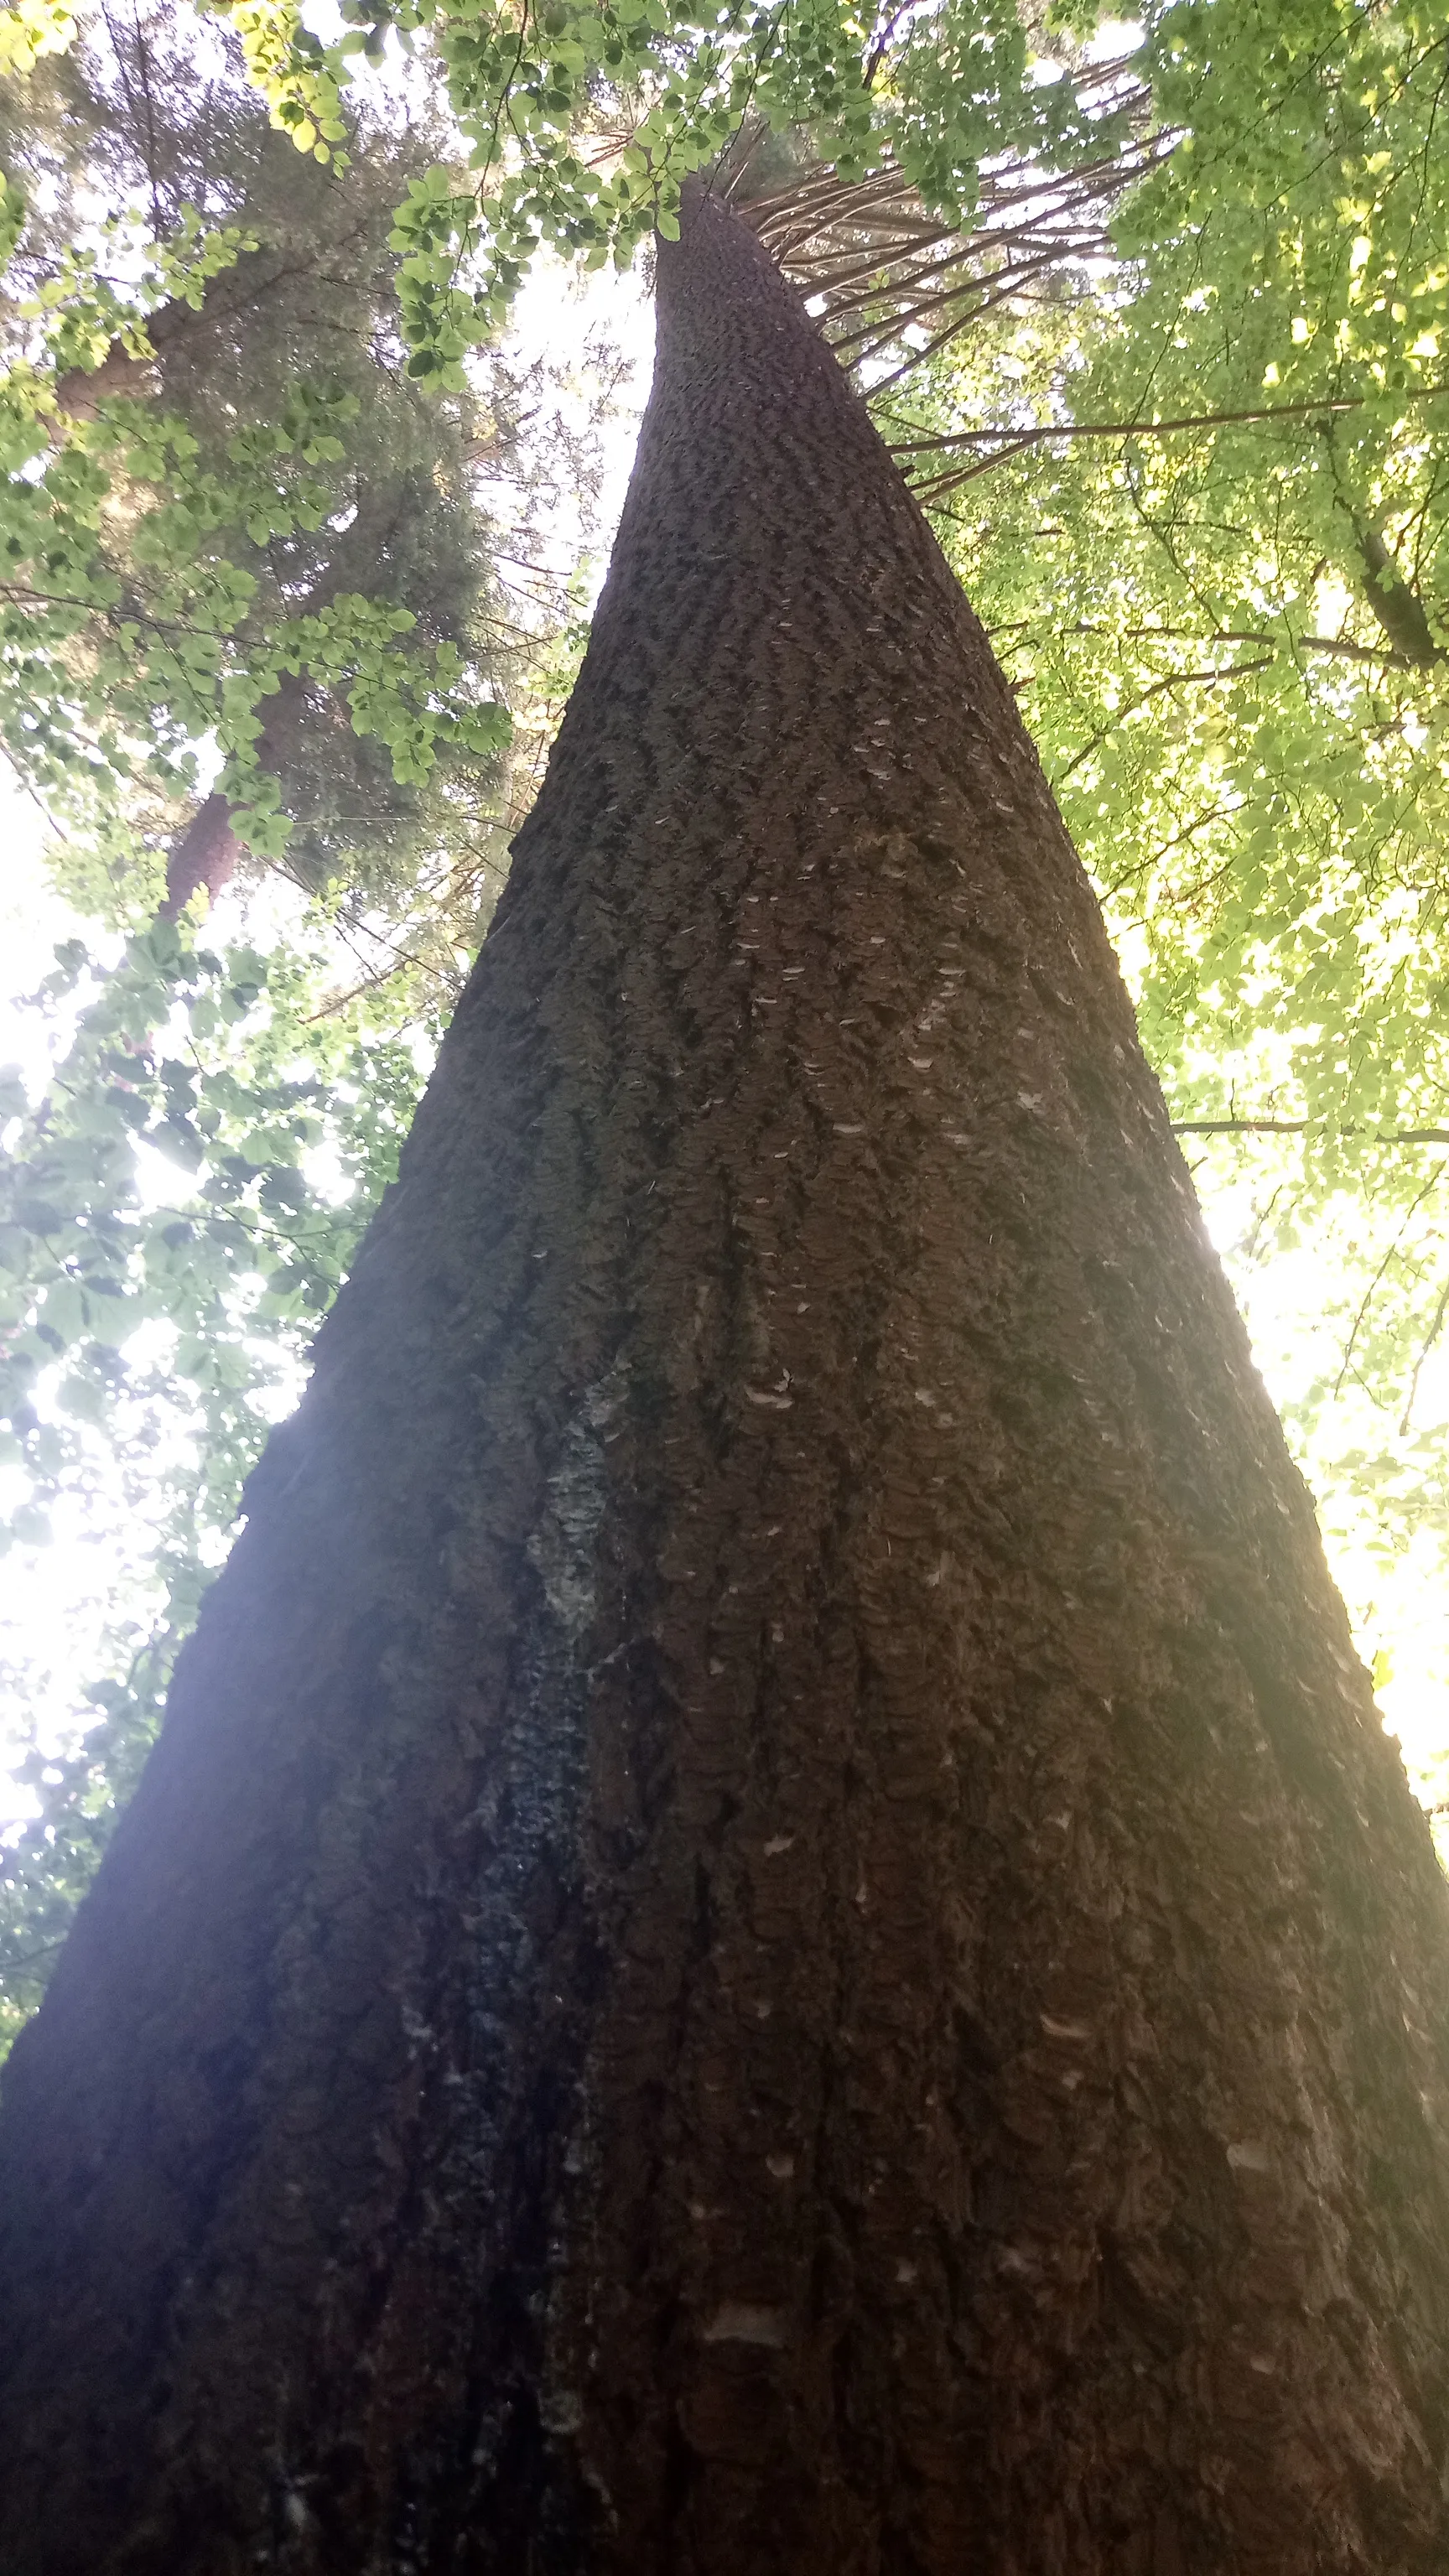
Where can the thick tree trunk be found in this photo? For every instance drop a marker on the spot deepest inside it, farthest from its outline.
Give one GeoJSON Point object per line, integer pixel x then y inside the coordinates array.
{"type": "Point", "coordinates": [773, 1931]}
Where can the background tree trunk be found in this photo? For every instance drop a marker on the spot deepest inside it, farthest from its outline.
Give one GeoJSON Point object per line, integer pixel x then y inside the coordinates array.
{"type": "Point", "coordinates": [204, 854]}
{"type": "Point", "coordinates": [773, 1930]}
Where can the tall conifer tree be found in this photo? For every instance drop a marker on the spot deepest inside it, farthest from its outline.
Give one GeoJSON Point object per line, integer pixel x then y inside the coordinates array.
{"type": "Point", "coordinates": [773, 1929]}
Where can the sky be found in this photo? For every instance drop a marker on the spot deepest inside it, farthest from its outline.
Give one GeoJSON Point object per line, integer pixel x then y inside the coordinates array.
{"type": "Point", "coordinates": [54, 1602]}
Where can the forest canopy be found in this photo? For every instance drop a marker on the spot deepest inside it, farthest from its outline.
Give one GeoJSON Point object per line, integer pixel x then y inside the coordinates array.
{"type": "Point", "coordinates": [1154, 315]}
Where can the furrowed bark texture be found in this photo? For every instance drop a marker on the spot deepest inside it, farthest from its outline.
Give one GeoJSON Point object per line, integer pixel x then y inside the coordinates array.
{"type": "Point", "coordinates": [773, 1934]}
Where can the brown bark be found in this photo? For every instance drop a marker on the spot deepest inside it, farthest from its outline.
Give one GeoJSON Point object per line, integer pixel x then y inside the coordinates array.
{"type": "Point", "coordinates": [773, 1932]}
{"type": "Point", "coordinates": [80, 392]}
{"type": "Point", "coordinates": [205, 854]}
{"type": "Point", "coordinates": [1395, 602]}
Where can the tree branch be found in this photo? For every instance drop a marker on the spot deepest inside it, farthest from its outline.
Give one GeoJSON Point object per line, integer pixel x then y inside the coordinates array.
{"type": "Point", "coordinates": [1425, 1347]}
{"type": "Point", "coordinates": [1039, 433]}
{"type": "Point", "coordinates": [1305, 1127]}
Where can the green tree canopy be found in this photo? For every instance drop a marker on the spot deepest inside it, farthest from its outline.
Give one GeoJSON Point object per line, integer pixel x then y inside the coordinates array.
{"type": "Point", "coordinates": [247, 529]}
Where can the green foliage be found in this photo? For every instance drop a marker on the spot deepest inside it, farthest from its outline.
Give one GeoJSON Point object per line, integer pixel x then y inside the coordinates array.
{"type": "Point", "coordinates": [82, 308]}
{"type": "Point", "coordinates": [30, 28]}
{"type": "Point", "coordinates": [175, 1216]}
{"type": "Point", "coordinates": [288, 66]}
{"type": "Point", "coordinates": [232, 527]}
{"type": "Point", "coordinates": [1228, 637]}
{"type": "Point", "coordinates": [109, 667]}
{"type": "Point", "coordinates": [583, 118]}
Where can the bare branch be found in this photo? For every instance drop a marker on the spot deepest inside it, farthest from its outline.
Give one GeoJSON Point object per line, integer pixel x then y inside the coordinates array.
{"type": "Point", "coordinates": [1306, 1127]}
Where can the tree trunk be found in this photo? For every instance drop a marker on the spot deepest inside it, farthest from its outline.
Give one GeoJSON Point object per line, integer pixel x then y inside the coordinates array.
{"type": "Point", "coordinates": [204, 854]}
{"type": "Point", "coordinates": [773, 1934]}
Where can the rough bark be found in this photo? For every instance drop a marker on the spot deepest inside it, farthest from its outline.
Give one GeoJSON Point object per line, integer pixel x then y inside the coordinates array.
{"type": "Point", "coordinates": [773, 1930]}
